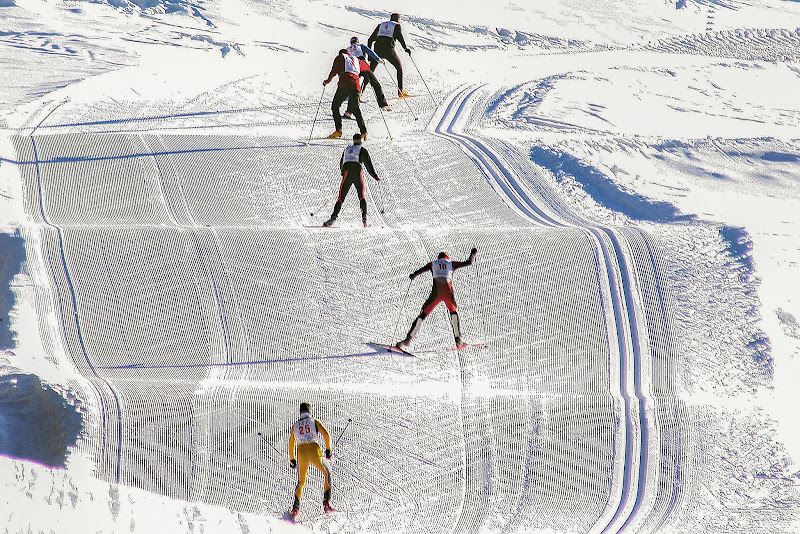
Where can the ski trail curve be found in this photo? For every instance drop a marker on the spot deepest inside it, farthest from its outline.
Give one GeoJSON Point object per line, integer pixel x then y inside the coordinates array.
{"type": "Point", "coordinates": [628, 336]}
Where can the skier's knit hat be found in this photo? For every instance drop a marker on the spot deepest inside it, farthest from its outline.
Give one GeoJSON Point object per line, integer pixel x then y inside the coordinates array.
{"type": "Point", "coordinates": [305, 407]}
{"type": "Point", "coordinates": [357, 138]}
{"type": "Point", "coordinates": [443, 255]}
{"type": "Point", "coordinates": [395, 17]}
{"type": "Point", "coordinates": [342, 51]}
{"type": "Point", "coordinates": [353, 40]}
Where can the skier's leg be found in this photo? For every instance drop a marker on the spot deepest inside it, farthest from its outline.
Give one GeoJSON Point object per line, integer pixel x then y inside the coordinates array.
{"type": "Point", "coordinates": [394, 59]}
{"type": "Point", "coordinates": [359, 183]}
{"type": "Point", "coordinates": [415, 326]}
{"type": "Point", "coordinates": [338, 98]}
{"type": "Point", "coordinates": [357, 112]}
{"type": "Point", "coordinates": [304, 459]}
{"type": "Point", "coordinates": [433, 300]}
{"type": "Point", "coordinates": [343, 187]}
{"type": "Point", "coordinates": [431, 303]}
{"type": "Point", "coordinates": [454, 320]}
{"type": "Point", "coordinates": [450, 301]}
{"type": "Point", "coordinates": [322, 465]}
{"type": "Point", "coordinates": [376, 85]}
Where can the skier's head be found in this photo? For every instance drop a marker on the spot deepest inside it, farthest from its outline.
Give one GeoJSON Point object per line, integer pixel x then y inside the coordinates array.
{"type": "Point", "coordinates": [343, 52]}
{"type": "Point", "coordinates": [395, 17]}
{"type": "Point", "coordinates": [305, 407]}
{"type": "Point", "coordinates": [353, 40]}
{"type": "Point", "coordinates": [443, 255]}
{"type": "Point", "coordinates": [356, 138]}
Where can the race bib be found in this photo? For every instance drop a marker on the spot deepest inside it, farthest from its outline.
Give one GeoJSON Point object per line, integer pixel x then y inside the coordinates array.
{"type": "Point", "coordinates": [352, 154]}
{"type": "Point", "coordinates": [305, 430]}
{"type": "Point", "coordinates": [443, 270]}
{"type": "Point", "coordinates": [387, 29]}
{"type": "Point", "coordinates": [351, 65]}
{"type": "Point", "coordinates": [355, 50]}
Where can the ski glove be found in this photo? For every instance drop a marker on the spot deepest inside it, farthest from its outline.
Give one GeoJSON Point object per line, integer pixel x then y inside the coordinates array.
{"type": "Point", "coordinates": [408, 51]}
{"type": "Point", "coordinates": [383, 61]}
{"type": "Point", "coordinates": [474, 251]}
{"type": "Point", "coordinates": [328, 454]}
{"type": "Point", "coordinates": [293, 463]}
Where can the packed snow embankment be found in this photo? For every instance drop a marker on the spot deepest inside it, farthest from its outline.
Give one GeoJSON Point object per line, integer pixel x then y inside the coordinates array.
{"type": "Point", "coordinates": [36, 422]}
{"type": "Point", "coordinates": [12, 256]}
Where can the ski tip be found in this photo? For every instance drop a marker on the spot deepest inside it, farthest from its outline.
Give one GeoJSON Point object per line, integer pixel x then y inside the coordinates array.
{"type": "Point", "coordinates": [392, 348]}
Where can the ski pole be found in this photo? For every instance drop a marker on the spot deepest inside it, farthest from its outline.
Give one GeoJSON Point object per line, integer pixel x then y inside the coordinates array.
{"type": "Point", "coordinates": [315, 115]}
{"type": "Point", "coordinates": [420, 75]}
{"type": "Point", "coordinates": [268, 443]}
{"type": "Point", "coordinates": [335, 443]}
{"type": "Point", "coordinates": [400, 311]}
{"type": "Point", "coordinates": [383, 116]}
{"type": "Point", "coordinates": [322, 206]}
{"type": "Point", "coordinates": [398, 92]}
{"type": "Point", "coordinates": [383, 198]}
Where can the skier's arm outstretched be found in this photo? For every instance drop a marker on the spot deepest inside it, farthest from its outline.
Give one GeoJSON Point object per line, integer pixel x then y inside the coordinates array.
{"type": "Point", "coordinates": [325, 436]}
{"type": "Point", "coordinates": [459, 264]}
{"type": "Point", "coordinates": [370, 53]}
{"type": "Point", "coordinates": [421, 270]}
{"type": "Point", "coordinates": [364, 158]}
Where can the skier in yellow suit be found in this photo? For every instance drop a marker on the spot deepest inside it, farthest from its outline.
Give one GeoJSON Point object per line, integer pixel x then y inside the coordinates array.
{"type": "Point", "coordinates": [304, 437]}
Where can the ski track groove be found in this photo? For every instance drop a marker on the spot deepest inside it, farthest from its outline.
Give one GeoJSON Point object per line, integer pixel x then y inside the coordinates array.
{"type": "Point", "coordinates": [627, 322]}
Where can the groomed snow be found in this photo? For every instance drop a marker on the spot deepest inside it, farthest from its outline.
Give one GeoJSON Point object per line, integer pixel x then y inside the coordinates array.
{"type": "Point", "coordinates": [628, 174]}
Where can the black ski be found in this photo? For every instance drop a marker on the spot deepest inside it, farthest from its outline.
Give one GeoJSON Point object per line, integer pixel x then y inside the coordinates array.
{"type": "Point", "coordinates": [396, 350]}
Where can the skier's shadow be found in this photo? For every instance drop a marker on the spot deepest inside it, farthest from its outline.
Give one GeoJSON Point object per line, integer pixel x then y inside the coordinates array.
{"type": "Point", "coordinates": [378, 350]}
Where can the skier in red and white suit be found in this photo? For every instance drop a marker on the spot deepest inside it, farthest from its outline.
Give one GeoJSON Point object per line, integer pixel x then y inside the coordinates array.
{"type": "Point", "coordinates": [348, 68]}
{"type": "Point", "coordinates": [442, 291]}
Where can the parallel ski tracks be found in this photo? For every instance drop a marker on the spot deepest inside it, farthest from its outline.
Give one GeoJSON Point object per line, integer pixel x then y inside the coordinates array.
{"type": "Point", "coordinates": [627, 335]}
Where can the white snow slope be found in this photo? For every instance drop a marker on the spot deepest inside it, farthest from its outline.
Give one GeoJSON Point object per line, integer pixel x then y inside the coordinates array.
{"type": "Point", "coordinates": [627, 172]}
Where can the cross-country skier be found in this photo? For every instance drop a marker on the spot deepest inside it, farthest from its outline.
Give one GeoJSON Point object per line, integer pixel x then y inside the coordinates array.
{"type": "Point", "coordinates": [350, 165]}
{"type": "Point", "coordinates": [442, 291]}
{"type": "Point", "coordinates": [384, 37]}
{"type": "Point", "coordinates": [363, 52]}
{"type": "Point", "coordinates": [348, 69]}
{"type": "Point", "coordinates": [304, 437]}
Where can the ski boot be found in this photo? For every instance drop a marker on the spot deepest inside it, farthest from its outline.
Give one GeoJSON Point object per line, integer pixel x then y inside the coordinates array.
{"type": "Point", "coordinates": [335, 135]}
{"type": "Point", "coordinates": [403, 345]}
{"type": "Point", "coordinates": [295, 511]}
{"type": "Point", "coordinates": [402, 94]}
{"type": "Point", "coordinates": [386, 108]}
{"type": "Point", "coordinates": [326, 506]}
{"type": "Point", "coordinates": [329, 222]}
{"type": "Point", "coordinates": [460, 344]}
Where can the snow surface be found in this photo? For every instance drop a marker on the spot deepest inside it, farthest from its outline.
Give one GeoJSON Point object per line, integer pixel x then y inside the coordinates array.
{"type": "Point", "coordinates": [628, 173]}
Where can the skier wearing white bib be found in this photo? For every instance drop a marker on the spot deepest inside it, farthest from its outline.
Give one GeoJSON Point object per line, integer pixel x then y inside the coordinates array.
{"type": "Point", "coordinates": [304, 438]}
{"type": "Point", "coordinates": [384, 37]}
{"type": "Point", "coordinates": [350, 165]}
{"type": "Point", "coordinates": [348, 68]}
{"type": "Point", "coordinates": [363, 52]}
{"type": "Point", "coordinates": [442, 291]}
